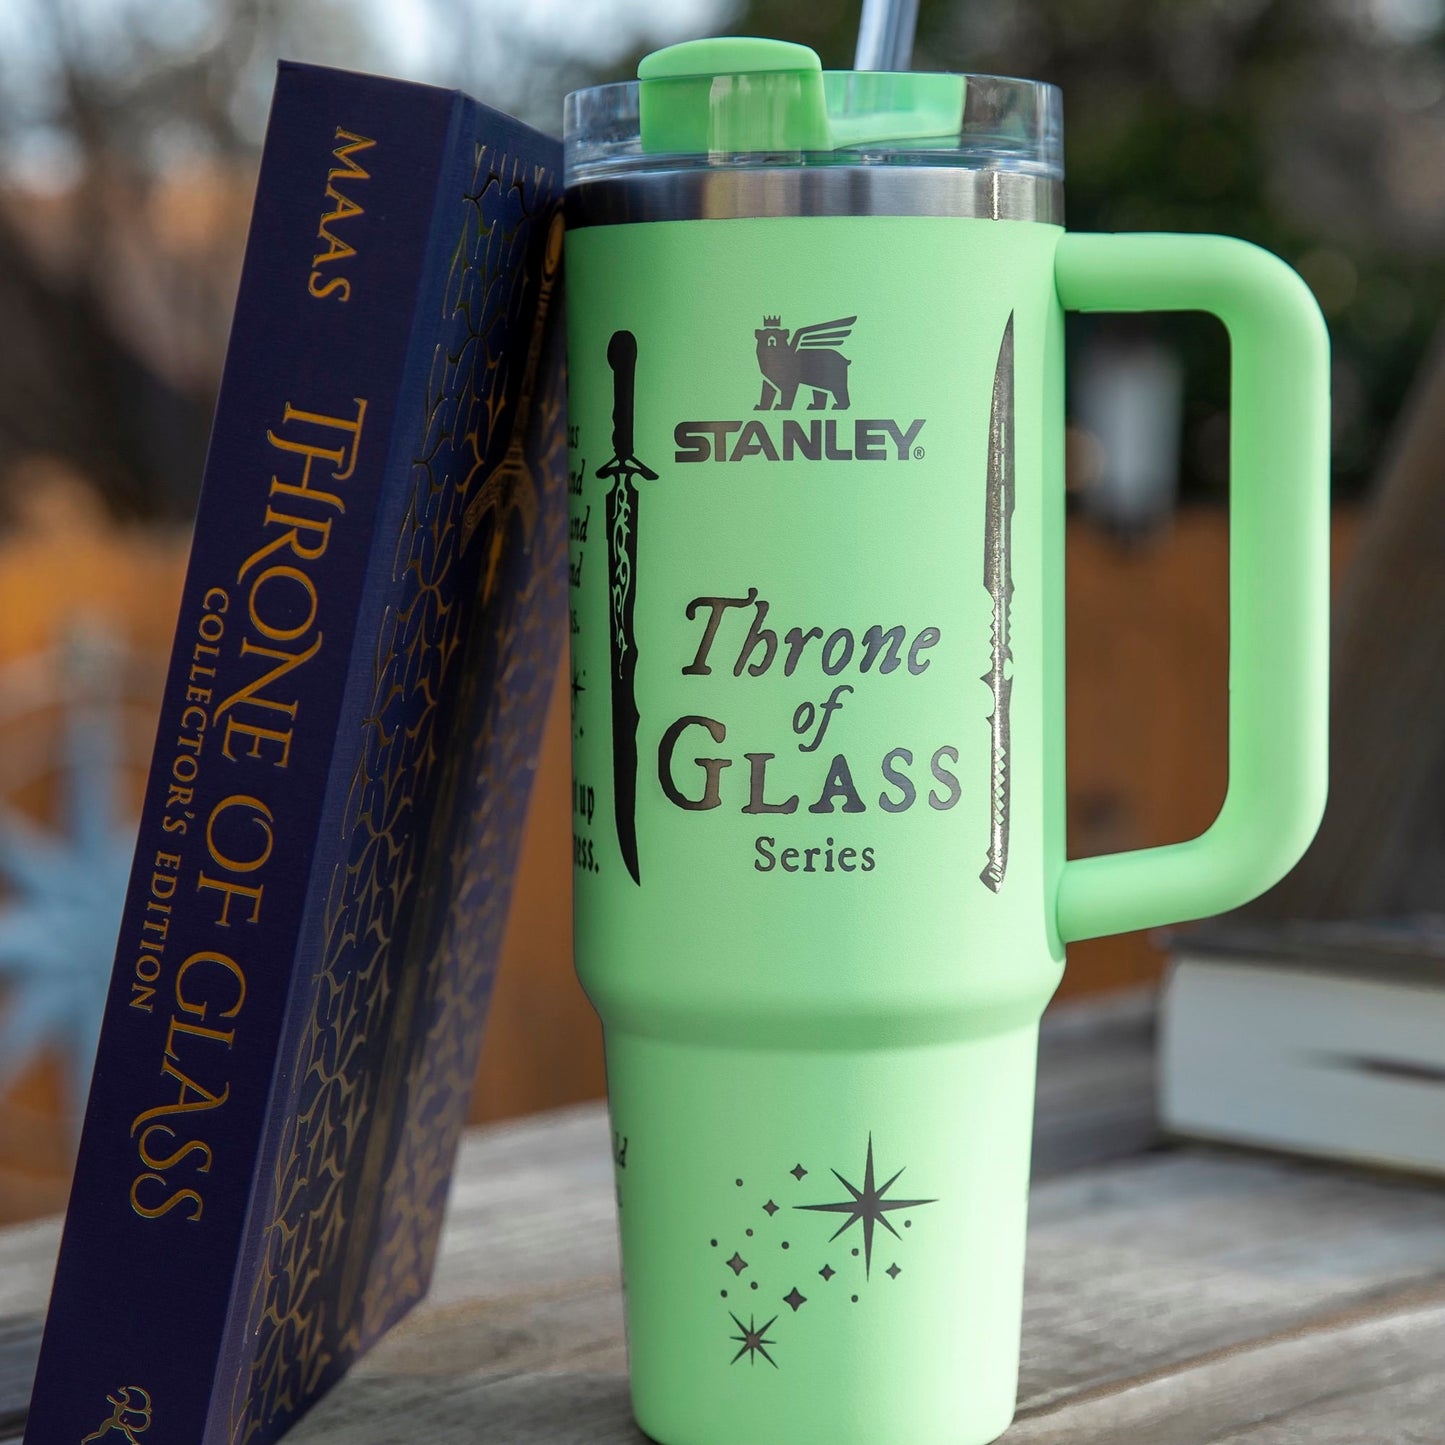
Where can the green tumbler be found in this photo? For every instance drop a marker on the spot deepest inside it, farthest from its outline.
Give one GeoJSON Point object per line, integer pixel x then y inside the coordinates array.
{"type": "Point", "coordinates": [816, 420]}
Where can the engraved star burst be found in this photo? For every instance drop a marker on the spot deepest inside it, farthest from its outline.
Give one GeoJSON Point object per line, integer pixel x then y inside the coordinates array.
{"type": "Point", "coordinates": [867, 1206]}
{"type": "Point", "coordinates": [754, 1340]}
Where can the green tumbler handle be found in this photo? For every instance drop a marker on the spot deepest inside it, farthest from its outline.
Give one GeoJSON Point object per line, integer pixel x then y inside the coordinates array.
{"type": "Point", "coordinates": [1278, 575]}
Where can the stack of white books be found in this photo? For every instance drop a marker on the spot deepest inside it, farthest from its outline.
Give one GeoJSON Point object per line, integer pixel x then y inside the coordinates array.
{"type": "Point", "coordinates": [1323, 1038]}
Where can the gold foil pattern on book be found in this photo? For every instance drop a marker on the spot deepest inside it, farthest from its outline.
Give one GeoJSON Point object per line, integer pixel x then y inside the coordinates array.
{"type": "Point", "coordinates": [385, 1062]}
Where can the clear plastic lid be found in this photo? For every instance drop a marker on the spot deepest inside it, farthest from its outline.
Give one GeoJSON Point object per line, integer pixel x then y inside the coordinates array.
{"type": "Point", "coordinates": [747, 104]}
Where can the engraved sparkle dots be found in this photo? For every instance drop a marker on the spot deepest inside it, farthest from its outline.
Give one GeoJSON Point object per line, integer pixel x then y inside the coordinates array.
{"type": "Point", "coordinates": [871, 1205]}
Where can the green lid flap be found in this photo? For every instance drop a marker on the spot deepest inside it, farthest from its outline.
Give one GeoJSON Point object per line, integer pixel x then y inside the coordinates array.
{"type": "Point", "coordinates": [741, 95]}
{"type": "Point", "coordinates": [732, 95]}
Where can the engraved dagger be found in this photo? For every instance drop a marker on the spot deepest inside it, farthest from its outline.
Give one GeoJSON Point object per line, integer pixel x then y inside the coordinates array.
{"type": "Point", "coordinates": [998, 580]}
{"type": "Point", "coordinates": [624, 469]}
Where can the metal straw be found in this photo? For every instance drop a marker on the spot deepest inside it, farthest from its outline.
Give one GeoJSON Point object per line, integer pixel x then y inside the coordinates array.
{"type": "Point", "coordinates": [885, 35]}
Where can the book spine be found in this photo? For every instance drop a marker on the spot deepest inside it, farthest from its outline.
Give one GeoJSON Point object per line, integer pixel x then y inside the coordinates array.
{"type": "Point", "coordinates": [380, 1058]}
{"type": "Point", "coordinates": [223, 868]}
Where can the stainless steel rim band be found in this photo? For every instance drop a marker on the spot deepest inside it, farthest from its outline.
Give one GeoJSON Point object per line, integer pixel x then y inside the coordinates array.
{"type": "Point", "coordinates": [884, 190]}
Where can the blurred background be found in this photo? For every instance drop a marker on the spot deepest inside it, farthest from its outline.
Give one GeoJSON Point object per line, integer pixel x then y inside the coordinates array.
{"type": "Point", "coordinates": [129, 133]}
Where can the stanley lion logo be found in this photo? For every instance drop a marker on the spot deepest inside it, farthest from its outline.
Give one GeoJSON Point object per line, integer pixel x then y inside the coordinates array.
{"type": "Point", "coordinates": [809, 357]}
{"type": "Point", "coordinates": [130, 1416]}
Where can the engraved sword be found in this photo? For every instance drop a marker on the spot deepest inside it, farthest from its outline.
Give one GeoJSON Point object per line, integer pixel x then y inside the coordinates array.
{"type": "Point", "coordinates": [998, 580]}
{"type": "Point", "coordinates": [624, 469]}
{"type": "Point", "coordinates": [511, 488]}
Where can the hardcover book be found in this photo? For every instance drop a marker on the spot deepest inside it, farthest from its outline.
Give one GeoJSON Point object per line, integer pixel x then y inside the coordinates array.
{"type": "Point", "coordinates": [368, 633]}
{"type": "Point", "coordinates": [1322, 1037]}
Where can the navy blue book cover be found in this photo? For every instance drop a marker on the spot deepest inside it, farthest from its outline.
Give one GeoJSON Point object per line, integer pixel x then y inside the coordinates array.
{"type": "Point", "coordinates": [367, 638]}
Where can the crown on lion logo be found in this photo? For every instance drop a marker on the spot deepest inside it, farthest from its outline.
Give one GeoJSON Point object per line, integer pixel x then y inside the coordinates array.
{"type": "Point", "coordinates": [773, 321]}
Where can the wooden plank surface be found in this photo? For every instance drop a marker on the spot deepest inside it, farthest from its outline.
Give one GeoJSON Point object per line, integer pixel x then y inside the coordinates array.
{"type": "Point", "coordinates": [1368, 1377]}
{"type": "Point", "coordinates": [1175, 1296]}
{"type": "Point", "coordinates": [1190, 1296]}
{"type": "Point", "coordinates": [1095, 1098]}
{"type": "Point", "coordinates": [27, 1261]}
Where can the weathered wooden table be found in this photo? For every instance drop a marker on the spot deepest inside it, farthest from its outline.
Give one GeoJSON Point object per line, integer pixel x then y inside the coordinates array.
{"type": "Point", "coordinates": [1176, 1295]}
